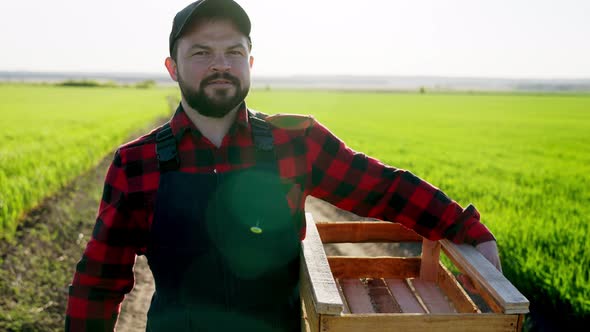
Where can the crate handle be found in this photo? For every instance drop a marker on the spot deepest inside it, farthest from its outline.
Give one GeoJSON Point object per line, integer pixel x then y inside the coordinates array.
{"type": "Point", "coordinates": [486, 277]}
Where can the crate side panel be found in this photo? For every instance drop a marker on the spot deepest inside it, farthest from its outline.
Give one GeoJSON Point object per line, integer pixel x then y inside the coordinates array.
{"type": "Point", "coordinates": [420, 323]}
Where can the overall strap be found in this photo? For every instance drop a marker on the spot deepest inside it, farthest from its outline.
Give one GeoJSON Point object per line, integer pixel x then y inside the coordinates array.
{"type": "Point", "coordinates": [262, 136]}
{"type": "Point", "coordinates": [166, 150]}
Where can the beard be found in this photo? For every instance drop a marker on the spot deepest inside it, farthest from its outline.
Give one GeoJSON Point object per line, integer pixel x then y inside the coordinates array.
{"type": "Point", "coordinates": [221, 102]}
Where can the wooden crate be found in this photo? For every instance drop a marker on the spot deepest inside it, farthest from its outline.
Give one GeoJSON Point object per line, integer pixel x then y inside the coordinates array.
{"type": "Point", "coordinates": [400, 293]}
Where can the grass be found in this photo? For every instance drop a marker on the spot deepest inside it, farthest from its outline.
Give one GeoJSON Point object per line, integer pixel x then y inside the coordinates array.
{"type": "Point", "coordinates": [37, 265]}
{"type": "Point", "coordinates": [52, 130]}
{"type": "Point", "coordinates": [49, 135]}
{"type": "Point", "coordinates": [523, 160]}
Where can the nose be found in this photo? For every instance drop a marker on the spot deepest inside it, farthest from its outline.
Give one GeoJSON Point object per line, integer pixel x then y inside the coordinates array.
{"type": "Point", "coordinates": [220, 63]}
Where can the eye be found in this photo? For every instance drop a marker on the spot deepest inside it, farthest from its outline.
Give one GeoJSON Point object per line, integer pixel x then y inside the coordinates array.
{"type": "Point", "coordinates": [235, 52]}
{"type": "Point", "coordinates": [201, 53]}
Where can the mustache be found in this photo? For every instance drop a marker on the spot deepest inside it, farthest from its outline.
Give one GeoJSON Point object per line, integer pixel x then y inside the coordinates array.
{"type": "Point", "coordinates": [221, 76]}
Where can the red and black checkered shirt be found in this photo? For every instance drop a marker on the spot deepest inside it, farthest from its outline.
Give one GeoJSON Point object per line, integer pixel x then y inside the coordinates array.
{"type": "Point", "coordinates": [309, 156]}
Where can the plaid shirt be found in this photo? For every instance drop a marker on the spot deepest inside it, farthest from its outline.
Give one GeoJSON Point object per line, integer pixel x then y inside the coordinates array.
{"type": "Point", "coordinates": [309, 156]}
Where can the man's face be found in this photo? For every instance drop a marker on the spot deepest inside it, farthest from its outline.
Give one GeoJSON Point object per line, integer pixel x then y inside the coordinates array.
{"type": "Point", "coordinates": [212, 67]}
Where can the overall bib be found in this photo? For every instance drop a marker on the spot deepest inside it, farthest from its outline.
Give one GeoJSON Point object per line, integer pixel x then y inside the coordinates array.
{"type": "Point", "coordinates": [224, 247]}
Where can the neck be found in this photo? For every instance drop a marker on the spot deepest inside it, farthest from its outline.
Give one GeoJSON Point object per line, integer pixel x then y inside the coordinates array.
{"type": "Point", "coordinates": [214, 129]}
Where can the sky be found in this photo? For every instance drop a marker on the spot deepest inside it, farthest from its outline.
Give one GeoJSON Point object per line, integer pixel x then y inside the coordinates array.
{"type": "Point", "coordinates": [457, 38]}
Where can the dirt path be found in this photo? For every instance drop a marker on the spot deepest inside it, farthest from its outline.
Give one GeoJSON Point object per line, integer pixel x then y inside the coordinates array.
{"type": "Point", "coordinates": [136, 304]}
{"type": "Point", "coordinates": [134, 312]}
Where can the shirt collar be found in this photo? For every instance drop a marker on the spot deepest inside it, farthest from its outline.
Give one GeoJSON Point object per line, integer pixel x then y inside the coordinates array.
{"type": "Point", "coordinates": [180, 122]}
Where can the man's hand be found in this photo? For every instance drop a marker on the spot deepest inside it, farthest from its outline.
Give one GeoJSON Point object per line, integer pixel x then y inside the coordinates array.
{"type": "Point", "coordinates": [489, 250]}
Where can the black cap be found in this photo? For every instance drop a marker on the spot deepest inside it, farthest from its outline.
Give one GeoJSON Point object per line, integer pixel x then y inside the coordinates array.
{"type": "Point", "coordinates": [209, 8]}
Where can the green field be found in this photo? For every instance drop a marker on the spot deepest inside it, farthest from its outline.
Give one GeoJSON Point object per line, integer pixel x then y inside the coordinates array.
{"type": "Point", "coordinates": [49, 135]}
{"type": "Point", "coordinates": [522, 160]}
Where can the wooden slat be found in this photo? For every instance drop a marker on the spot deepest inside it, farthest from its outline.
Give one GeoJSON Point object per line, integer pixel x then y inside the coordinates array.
{"type": "Point", "coordinates": [346, 309]}
{"type": "Point", "coordinates": [404, 296]}
{"type": "Point", "coordinates": [420, 323]}
{"type": "Point", "coordinates": [489, 300]}
{"type": "Point", "coordinates": [453, 290]}
{"type": "Point", "coordinates": [430, 259]}
{"type": "Point", "coordinates": [315, 272]}
{"type": "Point", "coordinates": [382, 300]}
{"type": "Point", "coordinates": [432, 296]}
{"type": "Point", "coordinates": [357, 296]}
{"type": "Point", "coordinates": [344, 267]}
{"type": "Point", "coordinates": [486, 277]}
{"type": "Point", "coordinates": [365, 231]}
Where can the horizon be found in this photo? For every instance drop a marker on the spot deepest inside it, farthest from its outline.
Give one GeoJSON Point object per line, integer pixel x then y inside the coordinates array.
{"type": "Point", "coordinates": [286, 76]}
{"type": "Point", "coordinates": [339, 82]}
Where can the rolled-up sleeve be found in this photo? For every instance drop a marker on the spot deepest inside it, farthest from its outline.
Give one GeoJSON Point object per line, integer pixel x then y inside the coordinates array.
{"type": "Point", "coordinates": [105, 272]}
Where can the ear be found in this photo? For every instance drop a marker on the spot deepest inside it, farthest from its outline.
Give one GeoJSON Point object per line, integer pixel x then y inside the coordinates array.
{"type": "Point", "coordinates": [172, 69]}
{"type": "Point", "coordinates": [251, 61]}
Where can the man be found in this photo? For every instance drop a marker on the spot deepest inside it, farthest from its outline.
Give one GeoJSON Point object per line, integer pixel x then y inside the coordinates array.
{"type": "Point", "coordinates": [215, 198]}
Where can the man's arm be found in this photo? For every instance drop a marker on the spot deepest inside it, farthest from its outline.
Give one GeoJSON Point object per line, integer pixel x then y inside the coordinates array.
{"type": "Point", "coordinates": [105, 273]}
{"type": "Point", "coordinates": [365, 186]}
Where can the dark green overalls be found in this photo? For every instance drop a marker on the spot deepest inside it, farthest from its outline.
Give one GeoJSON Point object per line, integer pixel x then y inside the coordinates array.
{"type": "Point", "coordinates": [224, 247]}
